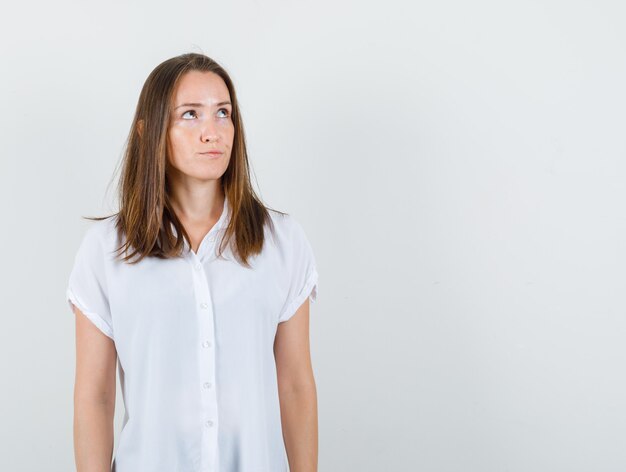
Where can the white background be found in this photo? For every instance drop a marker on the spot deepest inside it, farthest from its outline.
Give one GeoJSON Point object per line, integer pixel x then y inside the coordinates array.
{"type": "Point", "coordinates": [458, 167]}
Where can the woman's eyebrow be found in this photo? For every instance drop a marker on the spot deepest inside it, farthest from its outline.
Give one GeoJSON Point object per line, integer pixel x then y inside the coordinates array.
{"type": "Point", "coordinates": [201, 104]}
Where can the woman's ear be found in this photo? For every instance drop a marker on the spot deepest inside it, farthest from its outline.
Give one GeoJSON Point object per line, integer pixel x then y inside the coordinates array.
{"type": "Point", "coordinates": [140, 127]}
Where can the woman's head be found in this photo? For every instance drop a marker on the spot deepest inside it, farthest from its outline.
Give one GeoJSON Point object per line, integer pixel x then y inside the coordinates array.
{"type": "Point", "coordinates": [169, 138]}
{"type": "Point", "coordinates": [164, 146]}
{"type": "Point", "coordinates": [159, 123]}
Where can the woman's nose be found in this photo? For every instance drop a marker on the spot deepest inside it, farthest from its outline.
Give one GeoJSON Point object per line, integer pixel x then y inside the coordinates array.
{"type": "Point", "coordinates": [209, 132]}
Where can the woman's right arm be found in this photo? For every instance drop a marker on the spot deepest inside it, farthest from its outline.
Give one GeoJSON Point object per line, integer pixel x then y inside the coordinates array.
{"type": "Point", "coordinates": [94, 397]}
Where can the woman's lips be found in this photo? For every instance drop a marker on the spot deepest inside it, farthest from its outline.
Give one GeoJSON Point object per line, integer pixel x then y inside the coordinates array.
{"type": "Point", "coordinates": [211, 153]}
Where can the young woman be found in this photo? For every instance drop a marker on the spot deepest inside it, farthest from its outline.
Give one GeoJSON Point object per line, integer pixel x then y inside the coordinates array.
{"type": "Point", "coordinates": [198, 294]}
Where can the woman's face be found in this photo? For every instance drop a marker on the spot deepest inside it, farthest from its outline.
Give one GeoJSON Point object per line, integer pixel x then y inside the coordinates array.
{"type": "Point", "coordinates": [200, 122]}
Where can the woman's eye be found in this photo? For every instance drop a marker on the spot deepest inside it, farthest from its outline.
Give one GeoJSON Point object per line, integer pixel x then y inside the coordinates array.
{"type": "Point", "coordinates": [225, 110]}
{"type": "Point", "coordinates": [189, 111]}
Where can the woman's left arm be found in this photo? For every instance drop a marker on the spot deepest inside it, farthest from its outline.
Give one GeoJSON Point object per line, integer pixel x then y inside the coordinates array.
{"type": "Point", "coordinates": [297, 391]}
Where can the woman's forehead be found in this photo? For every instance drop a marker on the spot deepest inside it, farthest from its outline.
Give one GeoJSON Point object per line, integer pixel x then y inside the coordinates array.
{"type": "Point", "coordinates": [205, 88]}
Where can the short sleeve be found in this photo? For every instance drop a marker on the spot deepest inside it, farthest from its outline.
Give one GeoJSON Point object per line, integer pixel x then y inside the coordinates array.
{"type": "Point", "coordinates": [87, 288]}
{"type": "Point", "coordinates": [303, 271]}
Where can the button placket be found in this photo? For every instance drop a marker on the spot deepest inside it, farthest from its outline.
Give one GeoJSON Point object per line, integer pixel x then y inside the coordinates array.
{"type": "Point", "coordinates": [206, 364]}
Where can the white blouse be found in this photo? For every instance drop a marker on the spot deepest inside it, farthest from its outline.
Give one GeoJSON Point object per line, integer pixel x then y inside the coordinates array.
{"type": "Point", "coordinates": [194, 339]}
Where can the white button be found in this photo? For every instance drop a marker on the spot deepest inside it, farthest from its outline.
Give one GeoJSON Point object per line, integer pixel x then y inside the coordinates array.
{"type": "Point", "coordinates": [198, 266]}
{"type": "Point", "coordinates": [209, 423]}
{"type": "Point", "coordinates": [203, 305]}
{"type": "Point", "coordinates": [207, 384]}
{"type": "Point", "coordinates": [206, 344]}
{"type": "Point", "coordinates": [212, 238]}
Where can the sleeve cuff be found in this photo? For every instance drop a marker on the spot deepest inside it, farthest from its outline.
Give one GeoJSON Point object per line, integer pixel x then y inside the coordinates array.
{"type": "Point", "coordinates": [309, 290]}
{"type": "Point", "coordinates": [96, 319]}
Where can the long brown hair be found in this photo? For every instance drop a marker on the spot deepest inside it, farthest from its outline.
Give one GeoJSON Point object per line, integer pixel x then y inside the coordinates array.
{"type": "Point", "coordinates": [145, 217]}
